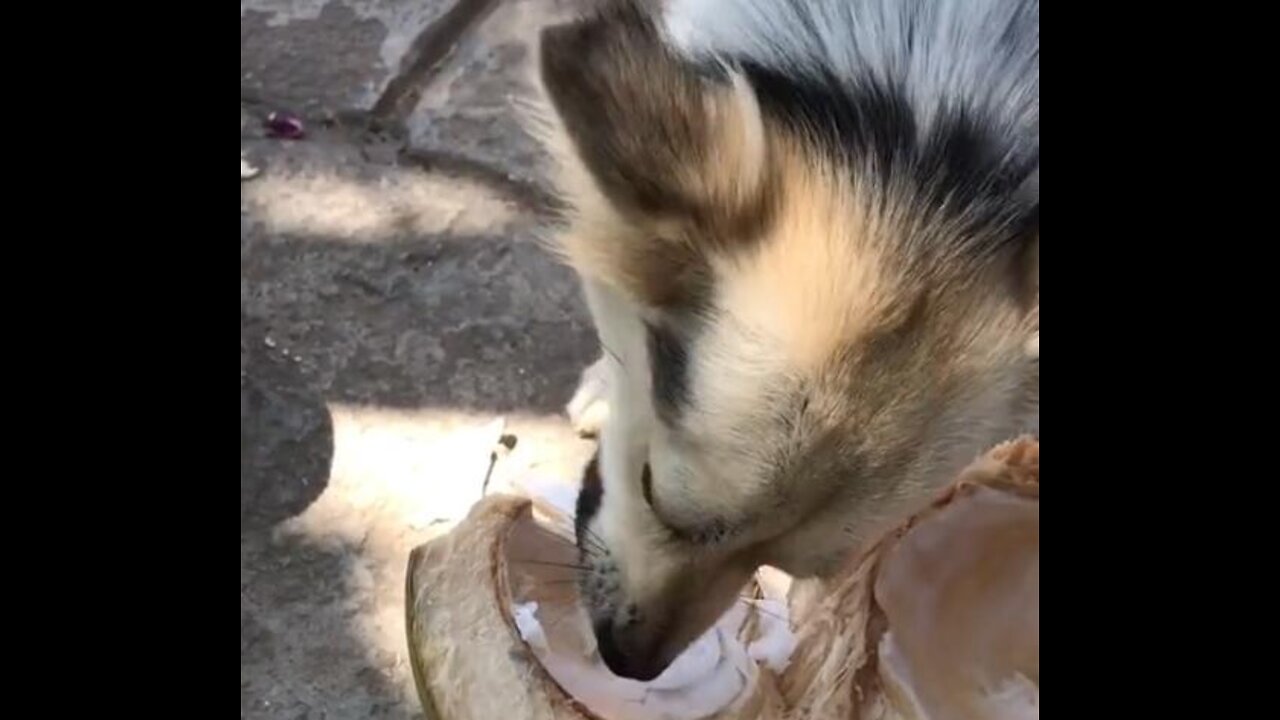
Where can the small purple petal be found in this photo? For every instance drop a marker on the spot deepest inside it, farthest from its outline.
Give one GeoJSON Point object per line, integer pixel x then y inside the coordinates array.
{"type": "Point", "coordinates": [285, 125]}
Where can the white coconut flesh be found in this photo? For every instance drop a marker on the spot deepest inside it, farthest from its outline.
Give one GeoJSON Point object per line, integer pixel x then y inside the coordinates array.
{"type": "Point", "coordinates": [716, 673]}
{"type": "Point", "coordinates": [961, 596]}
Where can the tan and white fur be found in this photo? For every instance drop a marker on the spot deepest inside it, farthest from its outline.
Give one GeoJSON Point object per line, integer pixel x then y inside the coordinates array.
{"type": "Point", "coordinates": [808, 233]}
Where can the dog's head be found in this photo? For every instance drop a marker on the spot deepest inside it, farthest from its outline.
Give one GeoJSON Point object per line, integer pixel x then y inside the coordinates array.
{"type": "Point", "coordinates": [817, 309]}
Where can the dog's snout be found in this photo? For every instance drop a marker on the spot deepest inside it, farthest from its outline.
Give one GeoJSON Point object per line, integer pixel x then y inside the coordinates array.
{"type": "Point", "coordinates": [618, 659]}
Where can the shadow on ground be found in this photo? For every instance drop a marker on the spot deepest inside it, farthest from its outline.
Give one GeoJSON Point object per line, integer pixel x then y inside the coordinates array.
{"type": "Point", "coordinates": [473, 324]}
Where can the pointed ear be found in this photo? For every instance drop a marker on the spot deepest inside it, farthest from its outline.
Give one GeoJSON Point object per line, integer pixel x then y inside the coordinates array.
{"type": "Point", "coordinates": [662, 139]}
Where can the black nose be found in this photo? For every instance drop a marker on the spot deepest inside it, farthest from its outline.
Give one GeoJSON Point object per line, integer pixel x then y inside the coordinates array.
{"type": "Point", "coordinates": [617, 661]}
{"type": "Point", "coordinates": [609, 652]}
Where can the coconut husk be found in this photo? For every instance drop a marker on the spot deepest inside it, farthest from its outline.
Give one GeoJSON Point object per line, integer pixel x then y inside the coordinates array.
{"type": "Point", "coordinates": [915, 627]}
{"type": "Point", "coordinates": [839, 670]}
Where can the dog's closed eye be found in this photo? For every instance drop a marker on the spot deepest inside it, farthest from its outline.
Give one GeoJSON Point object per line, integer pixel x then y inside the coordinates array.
{"type": "Point", "coordinates": [707, 531]}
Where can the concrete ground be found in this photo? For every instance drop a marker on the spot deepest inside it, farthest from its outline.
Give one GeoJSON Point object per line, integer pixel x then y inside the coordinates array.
{"type": "Point", "coordinates": [396, 317]}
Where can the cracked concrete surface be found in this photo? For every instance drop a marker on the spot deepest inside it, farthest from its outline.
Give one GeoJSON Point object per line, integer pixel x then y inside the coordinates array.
{"type": "Point", "coordinates": [329, 54]}
{"type": "Point", "coordinates": [472, 107]}
{"type": "Point", "coordinates": [394, 302]}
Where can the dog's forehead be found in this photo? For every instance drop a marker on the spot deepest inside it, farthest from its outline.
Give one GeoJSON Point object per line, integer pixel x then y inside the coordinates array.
{"type": "Point", "coordinates": [821, 314]}
{"type": "Point", "coordinates": [814, 283]}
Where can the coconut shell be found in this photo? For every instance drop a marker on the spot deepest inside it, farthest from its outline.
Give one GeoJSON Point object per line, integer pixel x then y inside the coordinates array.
{"type": "Point", "coordinates": [945, 576]}
{"type": "Point", "coordinates": [468, 658]}
{"type": "Point", "coordinates": [465, 661]}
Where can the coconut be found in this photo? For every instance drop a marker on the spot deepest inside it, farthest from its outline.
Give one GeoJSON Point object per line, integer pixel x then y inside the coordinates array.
{"type": "Point", "coordinates": [936, 620]}
{"type": "Point", "coordinates": [496, 630]}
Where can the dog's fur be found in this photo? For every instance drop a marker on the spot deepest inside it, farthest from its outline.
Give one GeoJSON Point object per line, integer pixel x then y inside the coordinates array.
{"type": "Point", "coordinates": [808, 232]}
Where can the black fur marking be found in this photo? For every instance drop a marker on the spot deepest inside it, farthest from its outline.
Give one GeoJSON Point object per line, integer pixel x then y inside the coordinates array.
{"type": "Point", "coordinates": [669, 368]}
{"type": "Point", "coordinates": [646, 484]}
{"type": "Point", "coordinates": [961, 169]}
{"type": "Point", "coordinates": [589, 498]}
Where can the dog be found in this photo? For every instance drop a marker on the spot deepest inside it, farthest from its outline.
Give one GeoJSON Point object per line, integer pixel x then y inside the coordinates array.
{"type": "Point", "coordinates": [808, 235]}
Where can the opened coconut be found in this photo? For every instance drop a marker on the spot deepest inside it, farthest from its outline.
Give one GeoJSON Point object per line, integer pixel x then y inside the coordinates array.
{"type": "Point", "coordinates": [937, 620]}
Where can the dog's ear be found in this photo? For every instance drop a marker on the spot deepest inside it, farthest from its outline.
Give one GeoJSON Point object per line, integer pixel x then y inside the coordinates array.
{"type": "Point", "coordinates": [662, 139]}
